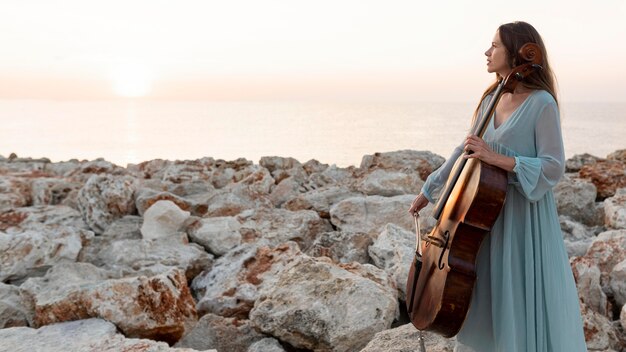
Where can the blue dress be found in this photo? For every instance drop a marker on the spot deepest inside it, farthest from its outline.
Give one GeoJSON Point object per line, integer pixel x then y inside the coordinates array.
{"type": "Point", "coordinates": [525, 297]}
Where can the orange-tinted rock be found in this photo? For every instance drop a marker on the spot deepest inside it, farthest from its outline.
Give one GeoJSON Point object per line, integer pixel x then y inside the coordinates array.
{"type": "Point", "coordinates": [607, 176]}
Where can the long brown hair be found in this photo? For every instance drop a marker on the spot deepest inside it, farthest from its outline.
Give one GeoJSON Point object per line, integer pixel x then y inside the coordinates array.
{"type": "Point", "coordinates": [513, 36]}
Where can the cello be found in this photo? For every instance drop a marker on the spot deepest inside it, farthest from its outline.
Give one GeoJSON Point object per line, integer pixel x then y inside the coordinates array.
{"type": "Point", "coordinates": [443, 273]}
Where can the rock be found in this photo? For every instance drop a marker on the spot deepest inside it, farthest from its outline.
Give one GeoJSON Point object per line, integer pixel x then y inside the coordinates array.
{"type": "Point", "coordinates": [405, 338]}
{"type": "Point", "coordinates": [607, 176]}
{"type": "Point", "coordinates": [217, 235]}
{"type": "Point", "coordinates": [62, 168]}
{"type": "Point", "coordinates": [226, 203]}
{"type": "Point", "coordinates": [575, 163]}
{"type": "Point", "coordinates": [29, 217]}
{"type": "Point", "coordinates": [250, 193]}
{"type": "Point", "coordinates": [33, 252]}
{"type": "Point", "coordinates": [228, 172]}
{"type": "Point", "coordinates": [409, 161]}
{"type": "Point", "coordinates": [104, 199]}
{"type": "Point", "coordinates": [615, 210]}
{"type": "Point", "coordinates": [576, 198]}
{"type": "Point", "coordinates": [372, 213]}
{"type": "Point", "coordinates": [393, 251]}
{"type": "Point", "coordinates": [286, 190]}
{"type": "Point", "coordinates": [52, 191]}
{"type": "Point", "coordinates": [316, 305]}
{"type": "Point", "coordinates": [15, 192]}
{"type": "Point", "coordinates": [577, 237]}
{"type": "Point", "coordinates": [128, 227]}
{"type": "Point", "coordinates": [222, 334]}
{"type": "Point", "coordinates": [275, 163]}
{"type": "Point", "coordinates": [163, 220]}
{"type": "Point", "coordinates": [191, 196]}
{"type": "Point", "coordinates": [618, 155]}
{"type": "Point", "coordinates": [146, 197]}
{"type": "Point", "coordinates": [95, 167]}
{"type": "Point", "coordinates": [618, 283]}
{"type": "Point", "coordinates": [158, 307]}
{"type": "Point", "coordinates": [14, 309]}
{"type": "Point", "coordinates": [279, 225]}
{"type": "Point", "coordinates": [370, 272]}
{"type": "Point", "coordinates": [133, 257]}
{"type": "Point", "coordinates": [341, 247]}
{"type": "Point", "coordinates": [81, 335]}
{"type": "Point", "coordinates": [184, 171]}
{"type": "Point", "coordinates": [587, 276]}
{"type": "Point", "coordinates": [606, 251]}
{"type": "Point", "coordinates": [622, 317]}
{"type": "Point", "coordinates": [599, 333]}
{"type": "Point", "coordinates": [313, 166]}
{"type": "Point", "coordinates": [390, 183]}
{"type": "Point", "coordinates": [320, 200]}
{"type": "Point", "coordinates": [232, 285]}
{"type": "Point", "coordinates": [267, 344]}
{"type": "Point", "coordinates": [335, 176]}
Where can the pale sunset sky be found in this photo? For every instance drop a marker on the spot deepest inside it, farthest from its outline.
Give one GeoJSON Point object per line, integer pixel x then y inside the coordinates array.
{"type": "Point", "coordinates": [296, 50]}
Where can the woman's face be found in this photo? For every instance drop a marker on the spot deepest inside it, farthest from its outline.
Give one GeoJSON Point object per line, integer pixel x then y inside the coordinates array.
{"type": "Point", "coordinates": [497, 58]}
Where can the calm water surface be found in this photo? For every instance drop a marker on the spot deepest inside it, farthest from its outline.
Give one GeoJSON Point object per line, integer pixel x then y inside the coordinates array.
{"type": "Point", "coordinates": [334, 133]}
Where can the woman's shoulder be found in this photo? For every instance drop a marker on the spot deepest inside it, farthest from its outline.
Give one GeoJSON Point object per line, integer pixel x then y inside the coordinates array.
{"type": "Point", "coordinates": [543, 97]}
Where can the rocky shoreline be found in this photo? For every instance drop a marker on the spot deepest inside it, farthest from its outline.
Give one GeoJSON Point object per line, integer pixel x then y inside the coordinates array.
{"type": "Point", "coordinates": [214, 255]}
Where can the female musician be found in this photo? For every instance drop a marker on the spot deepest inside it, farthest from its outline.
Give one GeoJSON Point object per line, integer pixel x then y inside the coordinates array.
{"type": "Point", "coordinates": [525, 297]}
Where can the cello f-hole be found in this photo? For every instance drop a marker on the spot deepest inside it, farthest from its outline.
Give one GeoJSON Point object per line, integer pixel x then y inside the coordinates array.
{"type": "Point", "coordinates": [446, 236]}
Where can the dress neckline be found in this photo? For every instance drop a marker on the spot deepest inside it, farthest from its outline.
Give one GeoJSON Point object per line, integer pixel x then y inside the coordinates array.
{"type": "Point", "coordinates": [493, 120]}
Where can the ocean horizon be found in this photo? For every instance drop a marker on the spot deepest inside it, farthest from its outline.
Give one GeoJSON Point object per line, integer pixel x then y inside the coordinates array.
{"type": "Point", "coordinates": [132, 131]}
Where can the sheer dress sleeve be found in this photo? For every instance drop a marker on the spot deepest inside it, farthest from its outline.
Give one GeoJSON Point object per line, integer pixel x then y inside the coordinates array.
{"type": "Point", "coordinates": [437, 179]}
{"type": "Point", "coordinates": [534, 176]}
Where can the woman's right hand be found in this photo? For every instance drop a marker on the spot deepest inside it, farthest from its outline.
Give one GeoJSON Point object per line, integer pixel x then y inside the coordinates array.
{"type": "Point", "coordinates": [417, 205]}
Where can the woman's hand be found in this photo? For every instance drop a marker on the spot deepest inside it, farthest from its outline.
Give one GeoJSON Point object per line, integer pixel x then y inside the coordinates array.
{"type": "Point", "coordinates": [480, 150]}
{"type": "Point", "coordinates": [417, 205]}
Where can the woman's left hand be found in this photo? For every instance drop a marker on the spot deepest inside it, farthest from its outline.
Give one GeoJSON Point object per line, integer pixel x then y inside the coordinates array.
{"type": "Point", "coordinates": [480, 150]}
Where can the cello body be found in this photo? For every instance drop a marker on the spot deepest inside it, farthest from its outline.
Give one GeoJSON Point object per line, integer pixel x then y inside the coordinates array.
{"type": "Point", "coordinates": [443, 289]}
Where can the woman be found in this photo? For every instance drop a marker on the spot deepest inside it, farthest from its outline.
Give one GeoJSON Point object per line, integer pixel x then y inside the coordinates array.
{"type": "Point", "coordinates": [525, 297]}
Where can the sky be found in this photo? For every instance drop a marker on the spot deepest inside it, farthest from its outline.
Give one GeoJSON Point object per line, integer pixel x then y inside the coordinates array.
{"type": "Point", "coordinates": [387, 50]}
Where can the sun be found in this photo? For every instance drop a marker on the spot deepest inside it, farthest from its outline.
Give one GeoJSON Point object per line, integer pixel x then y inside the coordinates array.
{"type": "Point", "coordinates": [131, 80]}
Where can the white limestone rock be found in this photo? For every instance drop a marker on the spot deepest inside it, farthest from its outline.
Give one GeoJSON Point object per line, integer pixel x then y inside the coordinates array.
{"type": "Point", "coordinates": [158, 307]}
{"type": "Point", "coordinates": [104, 199]}
{"type": "Point", "coordinates": [81, 335]}
{"type": "Point", "coordinates": [280, 225]}
{"type": "Point", "coordinates": [618, 283]}
{"type": "Point", "coordinates": [615, 210]}
{"type": "Point", "coordinates": [217, 235]}
{"type": "Point", "coordinates": [320, 200]}
{"type": "Point", "coordinates": [163, 220]}
{"type": "Point", "coordinates": [267, 344]}
{"type": "Point", "coordinates": [220, 333]}
{"type": "Point", "coordinates": [372, 213]}
{"type": "Point", "coordinates": [422, 163]}
{"type": "Point", "coordinates": [15, 309]}
{"type": "Point", "coordinates": [132, 257]}
{"type": "Point", "coordinates": [33, 252]}
{"type": "Point", "coordinates": [33, 217]}
{"type": "Point", "coordinates": [393, 251]}
{"type": "Point", "coordinates": [316, 305]}
{"type": "Point", "coordinates": [405, 338]}
{"type": "Point", "coordinates": [342, 247]}
{"type": "Point", "coordinates": [232, 285]}
{"type": "Point", "coordinates": [390, 183]}
{"type": "Point", "coordinates": [576, 198]}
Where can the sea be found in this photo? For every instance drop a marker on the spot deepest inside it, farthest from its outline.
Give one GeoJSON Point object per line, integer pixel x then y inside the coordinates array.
{"type": "Point", "coordinates": [341, 133]}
